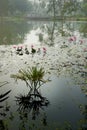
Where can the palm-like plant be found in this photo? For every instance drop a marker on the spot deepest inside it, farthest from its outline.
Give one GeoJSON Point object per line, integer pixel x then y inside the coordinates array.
{"type": "Point", "coordinates": [33, 77]}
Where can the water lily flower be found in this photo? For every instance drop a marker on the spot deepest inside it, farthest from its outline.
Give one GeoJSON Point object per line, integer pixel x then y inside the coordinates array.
{"type": "Point", "coordinates": [44, 48]}
{"type": "Point", "coordinates": [14, 46]}
{"type": "Point", "coordinates": [72, 39]}
{"type": "Point", "coordinates": [20, 46]}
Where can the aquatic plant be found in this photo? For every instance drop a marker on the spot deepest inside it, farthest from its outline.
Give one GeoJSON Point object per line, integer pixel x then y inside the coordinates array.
{"type": "Point", "coordinates": [33, 101]}
{"type": "Point", "coordinates": [33, 77]}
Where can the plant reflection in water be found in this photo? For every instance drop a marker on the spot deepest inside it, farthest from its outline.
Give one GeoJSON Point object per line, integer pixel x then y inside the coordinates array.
{"type": "Point", "coordinates": [83, 122]}
{"type": "Point", "coordinates": [3, 97]}
{"type": "Point", "coordinates": [33, 101]}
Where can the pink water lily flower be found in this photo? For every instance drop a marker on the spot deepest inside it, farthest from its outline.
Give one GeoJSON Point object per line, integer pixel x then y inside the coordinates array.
{"type": "Point", "coordinates": [44, 48]}
{"type": "Point", "coordinates": [14, 46]}
{"type": "Point", "coordinates": [72, 38]}
{"type": "Point", "coordinates": [21, 46]}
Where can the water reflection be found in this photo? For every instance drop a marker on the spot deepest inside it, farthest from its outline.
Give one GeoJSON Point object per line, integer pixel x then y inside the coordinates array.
{"type": "Point", "coordinates": [3, 108]}
{"type": "Point", "coordinates": [29, 107]}
{"type": "Point", "coordinates": [83, 122]}
{"type": "Point", "coordinates": [13, 32]}
{"type": "Point", "coordinates": [16, 32]}
{"type": "Point", "coordinates": [63, 101]}
{"type": "Point", "coordinates": [3, 96]}
{"type": "Point", "coordinates": [2, 127]}
{"type": "Point", "coordinates": [50, 32]}
{"type": "Point", "coordinates": [32, 102]}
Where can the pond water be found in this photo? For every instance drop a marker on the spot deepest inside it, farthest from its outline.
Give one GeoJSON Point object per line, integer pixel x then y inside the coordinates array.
{"type": "Point", "coordinates": [35, 32]}
{"type": "Point", "coordinates": [63, 111]}
{"type": "Point", "coordinates": [64, 105]}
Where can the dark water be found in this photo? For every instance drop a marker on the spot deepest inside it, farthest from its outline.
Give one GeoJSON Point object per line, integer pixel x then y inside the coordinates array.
{"type": "Point", "coordinates": [67, 104]}
{"type": "Point", "coordinates": [63, 111]}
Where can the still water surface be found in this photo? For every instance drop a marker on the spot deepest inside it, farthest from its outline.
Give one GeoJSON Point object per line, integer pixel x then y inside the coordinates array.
{"type": "Point", "coordinates": [63, 110]}
{"type": "Point", "coordinates": [64, 95]}
{"type": "Point", "coordinates": [33, 32]}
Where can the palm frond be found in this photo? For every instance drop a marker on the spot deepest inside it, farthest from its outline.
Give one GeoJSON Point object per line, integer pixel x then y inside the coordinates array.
{"type": "Point", "coordinates": [32, 76]}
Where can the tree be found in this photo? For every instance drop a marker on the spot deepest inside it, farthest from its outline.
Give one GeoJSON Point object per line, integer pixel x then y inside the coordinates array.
{"type": "Point", "coordinates": [62, 7]}
{"type": "Point", "coordinates": [84, 7]}
{"type": "Point", "coordinates": [52, 7]}
{"type": "Point", "coordinates": [69, 7]}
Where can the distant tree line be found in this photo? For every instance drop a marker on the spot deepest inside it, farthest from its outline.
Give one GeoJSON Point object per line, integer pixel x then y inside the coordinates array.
{"type": "Point", "coordinates": [60, 7]}
{"type": "Point", "coordinates": [67, 7]}
{"type": "Point", "coordinates": [43, 7]}
{"type": "Point", "coordinates": [14, 7]}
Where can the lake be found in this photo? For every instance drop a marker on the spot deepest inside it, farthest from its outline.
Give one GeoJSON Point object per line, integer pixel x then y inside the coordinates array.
{"type": "Point", "coordinates": [63, 103]}
{"type": "Point", "coordinates": [32, 32]}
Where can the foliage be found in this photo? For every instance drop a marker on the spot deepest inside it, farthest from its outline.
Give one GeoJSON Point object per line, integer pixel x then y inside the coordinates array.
{"type": "Point", "coordinates": [33, 77]}
{"type": "Point", "coordinates": [62, 7]}
{"type": "Point", "coordinates": [19, 6]}
{"type": "Point", "coordinates": [84, 8]}
{"type": "Point", "coordinates": [33, 101]}
{"type": "Point", "coordinates": [53, 7]}
{"type": "Point", "coordinates": [14, 7]}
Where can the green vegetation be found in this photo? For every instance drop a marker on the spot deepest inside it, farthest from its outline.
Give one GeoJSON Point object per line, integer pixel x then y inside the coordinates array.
{"type": "Point", "coordinates": [14, 7]}
{"type": "Point", "coordinates": [33, 101]}
{"type": "Point", "coordinates": [41, 8]}
{"type": "Point", "coordinates": [33, 77]}
{"type": "Point", "coordinates": [67, 8]}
